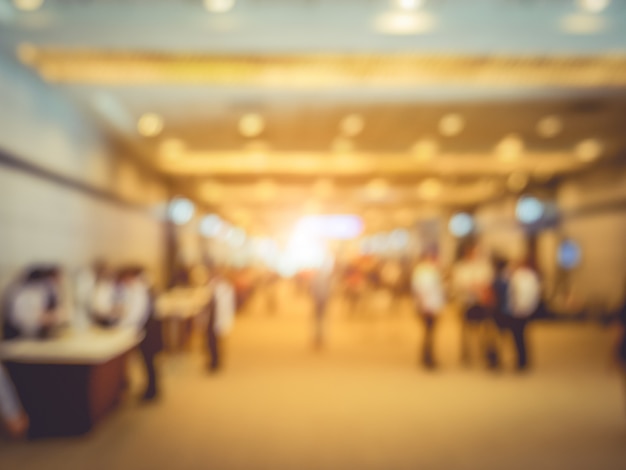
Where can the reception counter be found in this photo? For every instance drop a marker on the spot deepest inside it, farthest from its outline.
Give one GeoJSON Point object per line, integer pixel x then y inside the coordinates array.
{"type": "Point", "coordinates": [68, 383]}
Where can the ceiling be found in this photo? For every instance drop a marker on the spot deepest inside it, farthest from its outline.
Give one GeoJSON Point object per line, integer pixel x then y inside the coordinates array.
{"type": "Point", "coordinates": [497, 68]}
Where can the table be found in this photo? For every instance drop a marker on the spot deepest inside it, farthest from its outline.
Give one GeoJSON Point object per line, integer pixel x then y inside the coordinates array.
{"type": "Point", "coordinates": [67, 384]}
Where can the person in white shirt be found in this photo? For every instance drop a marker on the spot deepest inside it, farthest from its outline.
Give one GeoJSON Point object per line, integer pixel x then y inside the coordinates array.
{"type": "Point", "coordinates": [428, 291]}
{"type": "Point", "coordinates": [32, 311]}
{"type": "Point", "coordinates": [135, 303]}
{"type": "Point", "coordinates": [472, 278]}
{"type": "Point", "coordinates": [524, 296]}
{"type": "Point", "coordinates": [221, 316]}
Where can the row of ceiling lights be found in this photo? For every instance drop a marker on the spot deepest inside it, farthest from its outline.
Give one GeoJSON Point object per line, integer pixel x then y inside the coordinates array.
{"type": "Point", "coordinates": [510, 147]}
{"type": "Point", "coordinates": [405, 20]}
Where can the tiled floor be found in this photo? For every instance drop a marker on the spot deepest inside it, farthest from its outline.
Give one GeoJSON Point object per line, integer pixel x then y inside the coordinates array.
{"type": "Point", "coordinates": [362, 403]}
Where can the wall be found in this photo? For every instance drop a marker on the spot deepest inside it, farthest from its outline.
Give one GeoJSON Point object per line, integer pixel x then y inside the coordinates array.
{"type": "Point", "coordinates": [90, 200]}
{"type": "Point", "coordinates": [594, 208]}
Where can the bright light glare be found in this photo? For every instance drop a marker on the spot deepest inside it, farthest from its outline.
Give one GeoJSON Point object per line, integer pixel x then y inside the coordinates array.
{"type": "Point", "coordinates": [461, 224]}
{"type": "Point", "coordinates": [594, 6]}
{"type": "Point", "coordinates": [181, 211]}
{"type": "Point", "coordinates": [219, 6]}
{"type": "Point", "coordinates": [510, 147]}
{"type": "Point", "coordinates": [28, 5]}
{"type": "Point", "coordinates": [150, 124]}
{"type": "Point", "coordinates": [404, 23]}
{"type": "Point", "coordinates": [332, 227]}
{"type": "Point", "coordinates": [451, 125]}
{"type": "Point", "coordinates": [409, 4]}
{"type": "Point", "coordinates": [251, 125]}
{"type": "Point", "coordinates": [211, 225]}
{"type": "Point", "coordinates": [529, 210]}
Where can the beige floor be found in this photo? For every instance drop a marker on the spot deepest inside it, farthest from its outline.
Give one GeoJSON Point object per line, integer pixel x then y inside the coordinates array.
{"type": "Point", "coordinates": [360, 404]}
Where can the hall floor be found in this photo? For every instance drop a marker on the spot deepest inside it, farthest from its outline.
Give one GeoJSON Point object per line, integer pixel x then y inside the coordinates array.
{"type": "Point", "coordinates": [360, 403]}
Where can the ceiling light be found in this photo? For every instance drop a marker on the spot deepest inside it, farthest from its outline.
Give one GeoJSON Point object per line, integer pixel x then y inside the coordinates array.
{"type": "Point", "coordinates": [378, 189]}
{"type": "Point", "coordinates": [352, 125]}
{"type": "Point", "coordinates": [28, 5]}
{"type": "Point", "coordinates": [219, 6]}
{"type": "Point", "coordinates": [589, 150]}
{"type": "Point", "coordinates": [451, 125]}
{"type": "Point", "coordinates": [425, 149]}
{"type": "Point", "coordinates": [408, 4]}
{"type": "Point", "coordinates": [251, 125]}
{"type": "Point", "coordinates": [510, 147]}
{"type": "Point", "coordinates": [517, 182]}
{"type": "Point", "coordinates": [211, 225]}
{"type": "Point", "coordinates": [529, 210]}
{"type": "Point", "coordinates": [429, 189]}
{"type": "Point", "coordinates": [549, 126]}
{"type": "Point", "coordinates": [593, 6]}
{"type": "Point", "coordinates": [404, 23]}
{"type": "Point", "coordinates": [583, 24]}
{"type": "Point", "coordinates": [150, 125]}
{"type": "Point", "coordinates": [342, 145]}
{"type": "Point", "coordinates": [461, 224]}
{"type": "Point", "coordinates": [181, 211]}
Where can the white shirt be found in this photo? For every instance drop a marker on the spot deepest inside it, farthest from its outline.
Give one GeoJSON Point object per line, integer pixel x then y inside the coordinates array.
{"type": "Point", "coordinates": [428, 287]}
{"type": "Point", "coordinates": [524, 292]}
{"type": "Point", "coordinates": [135, 302]}
{"type": "Point", "coordinates": [27, 308]}
{"type": "Point", "coordinates": [224, 295]}
{"type": "Point", "coordinates": [103, 298]}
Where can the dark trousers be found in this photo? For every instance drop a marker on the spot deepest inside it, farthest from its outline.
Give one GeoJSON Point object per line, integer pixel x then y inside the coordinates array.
{"type": "Point", "coordinates": [427, 353]}
{"type": "Point", "coordinates": [148, 356]}
{"type": "Point", "coordinates": [518, 330]}
{"type": "Point", "coordinates": [214, 347]}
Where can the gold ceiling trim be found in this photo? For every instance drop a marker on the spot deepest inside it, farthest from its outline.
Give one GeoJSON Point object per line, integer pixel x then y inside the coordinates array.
{"type": "Point", "coordinates": [322, 70]}
{"type": "Point", "coordinates": [228, 164]}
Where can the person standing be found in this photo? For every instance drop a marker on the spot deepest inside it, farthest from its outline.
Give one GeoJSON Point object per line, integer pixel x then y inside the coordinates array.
{"type": "Point", "coordinates": [429, 295]}
{"type": "Point", "coordinates": [134, 302]}
{"type": "Point", "coordinates": [524, 296]}
{"type": "Point", "coordinates": [221, 316]}
{"type": "Point", "coordinates": [321, 285]}
{"type": "Point", "coordinates": [472, 278]}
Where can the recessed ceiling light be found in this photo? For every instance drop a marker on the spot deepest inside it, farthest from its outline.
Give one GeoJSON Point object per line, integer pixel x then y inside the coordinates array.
{"type": "Point", "coordinates": [352, 125]}
{"type": "Point", "coordinates": [150, 124]}
{"type": "Point", "coordinates": [28, 5]}
{"type": "Point", "coordinates": [251, 125]}
{"type": "Point", "coordinates": [517, 182]}
{"type": "Point", "coordinates": [589, 150]}
{"type": "Point", "coordinates": [529, 210]}
{"type": "Point", "coordinates": [408, 4]}
{"type": "Point", "coordinates": [583, 24]}
{"type": "Point", "coordinates": [510, 147]}
{"type": "Point", "coordinates": [549, 126]}
{"type": "Point", "coordinates": [378, 189]}
{"type": "Point", "coordinates": [219, 6]}
{"type": "Point", "coordinates": [425, 149]}
{"type": "Point", "coordinates": [429, 189]}
{"type": "Point", "coordinates": [594, 6]}
{"type": "Point", "coordinates": [181, 211]}
{"type": "Point", "coordinates": [451, 125]}
{"type": "Point", "coordinates": [404, 23]}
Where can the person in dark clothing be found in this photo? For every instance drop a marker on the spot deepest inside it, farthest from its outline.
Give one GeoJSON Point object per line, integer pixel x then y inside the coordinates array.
{"type": "Point", "coordinates": [499, 313]}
